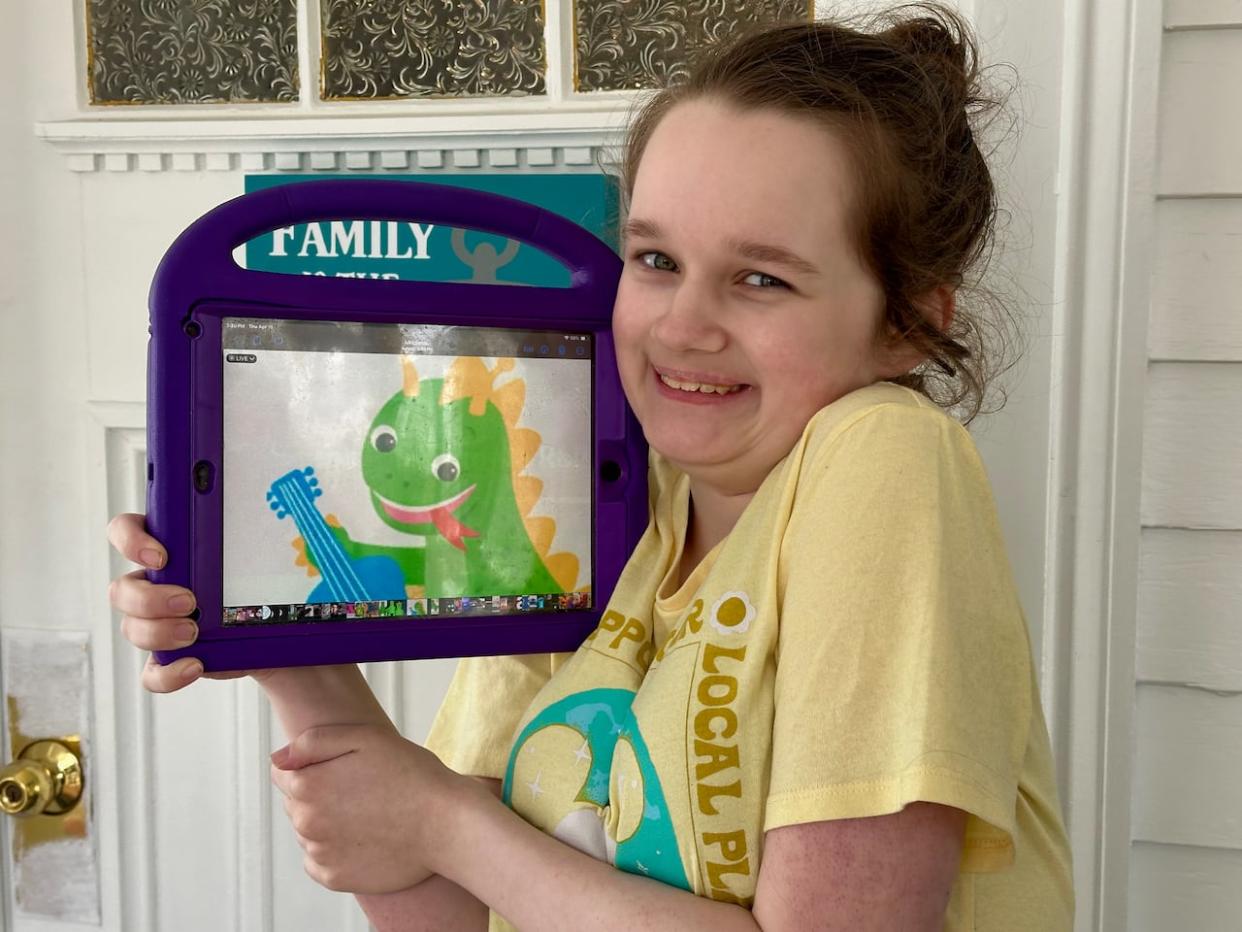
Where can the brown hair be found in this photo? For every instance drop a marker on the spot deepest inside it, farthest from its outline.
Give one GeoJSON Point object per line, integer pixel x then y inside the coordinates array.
{"type": "Point", "coordinates": [902, 90]}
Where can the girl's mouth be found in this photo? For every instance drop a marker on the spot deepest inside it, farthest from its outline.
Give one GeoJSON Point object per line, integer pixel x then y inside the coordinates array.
{"type": "Point", "coordinates": [697, 389]}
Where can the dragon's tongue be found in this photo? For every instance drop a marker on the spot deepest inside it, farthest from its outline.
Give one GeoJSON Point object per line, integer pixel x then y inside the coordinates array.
{"type": "Point", "coordinates": [450, 528]}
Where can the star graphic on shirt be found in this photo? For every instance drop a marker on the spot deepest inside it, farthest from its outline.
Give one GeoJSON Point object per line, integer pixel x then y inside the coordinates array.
{"type": "Point", "coordinates": [582, 753]}
{"type": "Point", "coordinates": [535, 789]}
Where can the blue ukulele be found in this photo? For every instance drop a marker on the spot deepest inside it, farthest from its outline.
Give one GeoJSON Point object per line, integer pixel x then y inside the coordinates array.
{"type": "Point", "coordinates": [366, 579]}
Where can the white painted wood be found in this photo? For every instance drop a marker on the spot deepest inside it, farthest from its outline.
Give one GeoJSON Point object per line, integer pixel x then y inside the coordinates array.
{"type": "Point", "coordinates": [287, 161]}
{"type": "Point", "coordinates": [1176, 887]}
{"type": "Point", "coordinates": [119, 142]}
{"type": "Point", "coordinates": [1099, 325]}
{"type": "Point", "coordinates": [558, 52]}
{"type": "Point", "coordinates": [1202, 14]}
{"type": "Point", "coordinates": [119, 267]}
{"type": "Point", "coordinates": [109, 432]}
{"type": "Point", "coordinates": [253, 811]}
{"type": "Point", "coordinates": [1193, 446]}
{"type": "Point", "coordinates": [1187, 760]}
{"type": "Point", "coordinates": [1201, 119]}
{"type": "Point", "coordinates": [322, 161]}
{"type": "Point", "coordinates": [1190, 608]}
{"type": "Point", "coordinates": [393, 159]}
{"type": "Point", "coordinates": [502, 158]}
{"type": "Point", "coordinates": [1196, 303]}
{"type": "Point", "coordinates": [123, 439]}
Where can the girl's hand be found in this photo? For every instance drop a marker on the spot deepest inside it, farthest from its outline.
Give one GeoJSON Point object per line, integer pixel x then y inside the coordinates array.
{"type": "Point", "coordinates": [154, 617]}
{"type": "Point", "coordinates": [369, 807]}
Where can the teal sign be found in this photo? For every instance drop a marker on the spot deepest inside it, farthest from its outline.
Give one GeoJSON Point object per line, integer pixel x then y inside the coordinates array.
{"type": "Point", "coordinates": [411, 250]}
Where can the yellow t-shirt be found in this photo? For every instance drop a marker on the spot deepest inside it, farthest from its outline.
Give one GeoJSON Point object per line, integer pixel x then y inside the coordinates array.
{"type": "Point", "coordinates": [855, 644]}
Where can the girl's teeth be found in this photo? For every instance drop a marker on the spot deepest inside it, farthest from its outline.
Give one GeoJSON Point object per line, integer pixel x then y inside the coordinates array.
{"type": "Point", "coordinates": [703, 387]}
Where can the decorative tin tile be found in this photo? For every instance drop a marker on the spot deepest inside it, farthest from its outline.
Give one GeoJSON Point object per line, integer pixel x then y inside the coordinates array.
{"type": "Point", "coordinates": [192, 51]}
{"type": "Point", "coordinates": [375, 49]}
{"type": "Point", "coordinates": [628, 44]}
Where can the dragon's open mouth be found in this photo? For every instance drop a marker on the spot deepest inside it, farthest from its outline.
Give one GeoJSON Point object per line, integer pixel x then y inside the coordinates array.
{"type": "Point", "coordinates": [440, 514]}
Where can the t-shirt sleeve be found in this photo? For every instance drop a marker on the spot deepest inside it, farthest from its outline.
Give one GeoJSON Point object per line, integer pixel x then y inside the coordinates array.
{"type": "Point", "coordinates": [903, 670]}
{"type": "Point", "coordinates": [473, 730]}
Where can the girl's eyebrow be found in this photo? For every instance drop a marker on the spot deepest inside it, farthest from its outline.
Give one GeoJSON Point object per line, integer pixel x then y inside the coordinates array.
{"type": "Point", "coordinates": [776, 255]}
{"type": "Point", "coordinates": [635, 226]}
{"type": "Point", "coordinates": [747, 249]}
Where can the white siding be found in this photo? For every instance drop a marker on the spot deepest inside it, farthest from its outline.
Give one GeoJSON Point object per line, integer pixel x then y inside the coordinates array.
{"type": "Point", "coordinates": [1196, 308]}
{"type": "Point", "coordinates": [1175, 887]}
{"type": "Point", "coordinates": [1186, 859]}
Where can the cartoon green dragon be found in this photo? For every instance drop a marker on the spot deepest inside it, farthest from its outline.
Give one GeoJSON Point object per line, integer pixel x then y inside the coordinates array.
{"type": "Point", "coordinates": [443, 459]}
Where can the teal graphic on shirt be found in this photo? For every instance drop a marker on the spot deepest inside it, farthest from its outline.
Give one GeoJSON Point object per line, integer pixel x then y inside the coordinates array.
{"type": "Point", "coordinates": [619, 785]}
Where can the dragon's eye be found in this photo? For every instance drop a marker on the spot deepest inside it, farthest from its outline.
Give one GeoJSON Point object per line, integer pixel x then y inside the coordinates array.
{"type": "Point", "coordinates": [445, 467]}
{"type": "Point", "coordinates": [384, 438]}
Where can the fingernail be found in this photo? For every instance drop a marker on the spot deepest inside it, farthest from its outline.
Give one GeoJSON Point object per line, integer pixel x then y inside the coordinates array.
{"type": "Point", "coordinates": [181, 604]}
{"type": "Point", "coordinates": [280, 755]}
{"type": "Point", "coordinates": [187, 633]}
{"type": "Point", "coordinates": [193, 670]}
{"type": "Point", "coordinates": [152, 558]}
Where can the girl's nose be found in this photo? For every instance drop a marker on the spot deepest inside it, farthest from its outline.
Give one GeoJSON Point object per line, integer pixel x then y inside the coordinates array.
{"type": "Point", "coordinates": [691, 322]}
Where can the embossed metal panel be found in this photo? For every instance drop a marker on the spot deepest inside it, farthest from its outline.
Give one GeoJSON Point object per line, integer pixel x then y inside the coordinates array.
{"type": "Point", "coordinates": [431, 48]}
{"type": "Point", "coordinates": [208, 51]}
{"type": "Point", "coordinates": [629, 44]}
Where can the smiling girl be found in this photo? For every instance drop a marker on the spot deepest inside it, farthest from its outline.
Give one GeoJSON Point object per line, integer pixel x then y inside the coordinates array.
{"type": "Point", "coordinates": [810, 703]}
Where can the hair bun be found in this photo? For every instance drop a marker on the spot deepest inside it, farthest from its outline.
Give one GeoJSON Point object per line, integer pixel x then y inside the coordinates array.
{"type": "Point", "coordinates": [939, 37]}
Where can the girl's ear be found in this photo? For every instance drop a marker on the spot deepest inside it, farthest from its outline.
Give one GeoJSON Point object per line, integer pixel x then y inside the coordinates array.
{"type": "Point", "coordinates": [938, 307]}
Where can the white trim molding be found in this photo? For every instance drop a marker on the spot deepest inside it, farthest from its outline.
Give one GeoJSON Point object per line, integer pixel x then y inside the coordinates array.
{"type": "Point", "coordinates": [1105, 219]}
{"type": "Point", "coordinates": [516, 139]}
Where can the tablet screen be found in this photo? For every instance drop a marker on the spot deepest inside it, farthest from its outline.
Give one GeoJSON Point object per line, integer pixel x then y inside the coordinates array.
{"type": "Point", "coordinates": [395, 470]}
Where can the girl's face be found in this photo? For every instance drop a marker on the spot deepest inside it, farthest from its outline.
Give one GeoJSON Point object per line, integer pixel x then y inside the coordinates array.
{"type": "Point", "coordinates": [742, 307]}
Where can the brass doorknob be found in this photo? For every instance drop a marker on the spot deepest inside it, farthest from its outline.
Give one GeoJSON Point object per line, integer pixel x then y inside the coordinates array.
{"type": "Point", "coordinates": [45, 779]}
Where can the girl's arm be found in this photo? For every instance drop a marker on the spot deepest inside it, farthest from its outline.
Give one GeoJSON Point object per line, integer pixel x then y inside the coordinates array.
{"type": "Point", "coordinates": [879, 873]}
{"type": "Point", "coordinates": [307, 697]}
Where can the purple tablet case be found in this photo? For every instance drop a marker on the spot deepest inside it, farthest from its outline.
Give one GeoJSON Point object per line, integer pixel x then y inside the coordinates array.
{"type": "Point", "coordinates": [198, 284]}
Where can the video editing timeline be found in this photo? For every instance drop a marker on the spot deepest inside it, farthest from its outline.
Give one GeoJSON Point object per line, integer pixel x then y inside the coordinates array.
{"type": "Point", "coordinates": [463, 606]}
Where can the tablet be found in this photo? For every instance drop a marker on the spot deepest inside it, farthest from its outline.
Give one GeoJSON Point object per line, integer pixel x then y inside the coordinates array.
{"type": "Point", "coordinates": [353, 470]}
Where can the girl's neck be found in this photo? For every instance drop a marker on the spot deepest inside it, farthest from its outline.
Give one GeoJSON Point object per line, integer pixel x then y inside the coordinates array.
{"type": "Point", "coordinates": [711, 517]}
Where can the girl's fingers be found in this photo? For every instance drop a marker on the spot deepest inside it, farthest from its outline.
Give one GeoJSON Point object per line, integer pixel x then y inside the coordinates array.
{"type": "Point", "coordinates": [157, 678]}
{"type": "Point", "coordinates": [159, 633]}
{"type": "Point", "coordinates": [128, 534]}
{"type": "Point", "coordinates": [132, 594]}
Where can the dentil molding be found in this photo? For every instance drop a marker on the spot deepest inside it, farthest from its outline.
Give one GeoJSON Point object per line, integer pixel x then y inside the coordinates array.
{"type": "Point", "coordinates": [573, 140]}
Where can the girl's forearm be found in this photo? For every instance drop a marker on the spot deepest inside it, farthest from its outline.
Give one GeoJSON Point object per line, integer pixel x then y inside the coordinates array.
{"type": "Point", "coordinates": [435, 905]}
{"type": "Point", "coordinates": [306, 697]}
{"type": "Point", "coordinates": [541, 884]}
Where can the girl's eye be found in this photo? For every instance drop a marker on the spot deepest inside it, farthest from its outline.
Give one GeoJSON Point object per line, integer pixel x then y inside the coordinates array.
{"type": "Point", "coordinates": [658, 261]}
{"type": "Point", "coordinates": [762, 280]}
